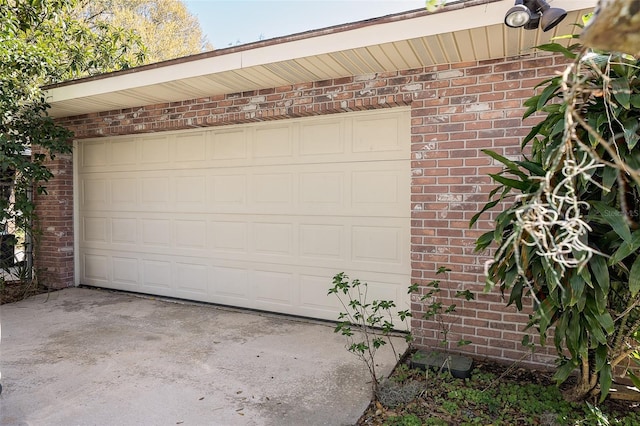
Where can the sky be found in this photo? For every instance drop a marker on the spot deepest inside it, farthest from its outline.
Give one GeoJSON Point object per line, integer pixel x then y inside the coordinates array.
{"type": "Point", "coordinates": [230, 22]}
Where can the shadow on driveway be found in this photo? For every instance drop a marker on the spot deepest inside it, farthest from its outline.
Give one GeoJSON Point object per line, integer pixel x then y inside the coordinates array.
{"type": "Point", "coordinates": [92, 357]}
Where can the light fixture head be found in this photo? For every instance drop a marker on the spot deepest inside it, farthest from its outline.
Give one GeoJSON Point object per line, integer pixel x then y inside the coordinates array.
{"type": "Point", "coordinates": [551, 17]}
{"type": "Point", "coordinates": [517, 16]}
{"type": "Point", "coordinates": [532, 13]}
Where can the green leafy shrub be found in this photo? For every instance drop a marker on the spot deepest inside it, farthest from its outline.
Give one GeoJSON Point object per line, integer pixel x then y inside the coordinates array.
{"type": "Point", "coordinates": [570, 239]}
{"type": "Point", "coordinates": [367, 325]}
{"type": "Point", "coordinates": [435, 310]}
{"type": "Point", "coordinates": [44, 42]}
{"type": "Point", "coordinates": [517, 398]}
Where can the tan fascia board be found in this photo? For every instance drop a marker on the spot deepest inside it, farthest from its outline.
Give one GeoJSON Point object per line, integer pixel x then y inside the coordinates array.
{"type": "Point", "coordinates": [480, 15]}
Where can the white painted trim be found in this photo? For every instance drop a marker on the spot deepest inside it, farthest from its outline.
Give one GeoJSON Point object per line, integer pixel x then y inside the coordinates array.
{"type": "Point", "coordinates": [388, 32]}
{"type": "Point", "coordinates": [76, 215]}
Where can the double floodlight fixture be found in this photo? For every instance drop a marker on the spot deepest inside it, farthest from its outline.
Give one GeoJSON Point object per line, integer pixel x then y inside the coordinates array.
{"type": "Point", "coordinates": [533, 13]}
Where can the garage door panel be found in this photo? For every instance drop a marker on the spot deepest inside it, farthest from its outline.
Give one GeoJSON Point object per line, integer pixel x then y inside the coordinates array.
{"type": "Point", "coordinates": [388, 290]}
{"type": "Point", "coordinates": [228, 145]}
{"type": "Point", "coordinates": [273, 287]}
{"type": "Point", "coordinates": [382, 133]}
{"type": "Point", "coordinates": [94, 194]}
{"type": "Point", "coordinates": [191, 147]}
{"type": "Point", "coordinates": [343, 138]}
{"type": "Point", "coordinates": [231, 283]}
{"type": "Point", "coordinates": [227, 191]}
{"type": "Point", "coordinates": [372, 243]}
{"type": "Point", "coordinates": [190, 192]}
{"type": "Point", "coordinates": [229, 236]}
{"type": "Point", "coordinates": [155, 150]}
{"type": "Point", "coordinates": [322, 241]}
{"type": "Point", "coordinates": [156, 232]}
{"type": "Point", "coordinates": [156, 276]}
{"type": "Point", "coordinates": [94, 155]}
{"type": "Point", "coordinates": [124, 193]}
{"type": "Point", "coordinates": [377, 244]}
{"type": "Point", "coordinates": [313, 295]}
{"type": "Point", "coordinates": [322, 190]}
{"type": "Point", "coordinates": [94, 230]}
{"type": "Point", "coordinates": [154, 193]}
{"type": "Point", "coordinates": [96, 268]}
{"type": "Point", "coordinates": [272, 238]}
{"type": "Point", "coordinates": [317, 139]}
{"type": "Point", "coordinates": [272, 190]}
{"type": "Point", "coordinates": [124, 230]}
{"type": "Point", "coordinates": [190, 234]}
{"type": "Point", "coordinates": [123, 152]}
{"type": "Point", "coordinates": [126, 271]}
{"type": "Point", "coordinates": [315, 283]}
{"type": "Point", "coordinates": [191, 279]}
{"type": "Point", "coordinates": [272, 141]}
{"type": "Point", "coordinates": [381, 190]}
{"type": "Point", "coordinates": [260, 216]}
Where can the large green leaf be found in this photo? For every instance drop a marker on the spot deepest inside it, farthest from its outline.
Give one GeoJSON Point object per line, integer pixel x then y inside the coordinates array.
{"type": "Point", "coordinates": [489, 205]}
{"type": "Point", "coordinates": [532, 106]}
{"type": "Point", "coordinates": [484, 241]}
{"type": "Point", "coordinates": [630, 126]}
{"type": "Point", "coordinates": [595, 330]}
{"type": "Point", "coordinates": [512, 166]}
{"type": "Point", "coordinates": [601, 356]}
{"type": "Point", "coordinates": [634, 277]}
{"type": "Point", "coordinates": [535, 130]}
{"type": "Point", "coordinates": [606, 378]}
{"type": "Point", "coordinates": [601, 299]}
{"type": "Point", "coordinates": [576, 290]}
{"type": "Point", "coordinates": [551, 275]}
{"type": "Point", "coordinates": [512, 183]}
{"type": "Point", "coordinates": [634, 379]}
{"type": "Point", "coordinates": [558, 48]}
{"type": "Point", "coordinates": [609, 177]}
{"type": "Point", "coordinates": [564, 371]}
{"type": "Point", "coordinates": [621, 91]}
{"type": "Point", "coordinates": [547, 93]}
{"type": "Point", "coordinates": [606, 322]}
{"type": "Point", "coordinates": [546, 311]}
{"type": "Point", "coordinates": [516, 291]}
{"type": "Point", "coordinates": [600, 272]}
{"type": "Point", "coordinates": [534, 168]}
{"type": "Point", "coordinates": [626, 248]}
{"type": "Point", "coordinates": [561, 332]}
{"type": "Point", "coordinates": [614, 218]}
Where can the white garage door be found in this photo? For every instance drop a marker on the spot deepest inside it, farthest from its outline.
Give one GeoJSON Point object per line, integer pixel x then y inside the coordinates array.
{"type": "Point", "coordinates": [259, 216]}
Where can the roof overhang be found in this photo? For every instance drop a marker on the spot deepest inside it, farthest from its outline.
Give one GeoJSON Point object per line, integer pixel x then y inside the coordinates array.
{"type": "Point", "coordinates": [460, 32]}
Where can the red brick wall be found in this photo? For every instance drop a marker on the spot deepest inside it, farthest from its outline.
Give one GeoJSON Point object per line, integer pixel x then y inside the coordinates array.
{"type": "Point", "coordinates": [53, 244]}
{"type": "Point", "coordinates": [463, 109]}
{"type": "Point", "coordinates": [457, 110]}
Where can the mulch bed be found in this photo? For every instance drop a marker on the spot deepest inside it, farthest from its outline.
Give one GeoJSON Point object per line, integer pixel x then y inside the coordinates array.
{"type": "Point", "coordinates": [505, 375]}
{"type": "Point", "coordinates": [14, 291]}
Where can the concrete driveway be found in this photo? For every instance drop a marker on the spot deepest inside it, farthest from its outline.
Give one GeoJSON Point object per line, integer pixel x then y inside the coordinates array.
{"type": "Point", "coordinates": [90, 357]}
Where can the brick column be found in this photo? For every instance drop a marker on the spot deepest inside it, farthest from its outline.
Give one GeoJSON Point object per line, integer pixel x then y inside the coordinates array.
{"type": "Point", "coordinates": [53, 245]}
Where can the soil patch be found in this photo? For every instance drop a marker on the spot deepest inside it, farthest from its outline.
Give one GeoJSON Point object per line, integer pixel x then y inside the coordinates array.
{"type": "Point", "coordinates": [14, 291]}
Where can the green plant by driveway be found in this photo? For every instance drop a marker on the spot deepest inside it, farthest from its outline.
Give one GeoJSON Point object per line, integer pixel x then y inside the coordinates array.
{"type": "Point", "coordinates": [489, 397]}
{"type": "Point", "coordinates": [367, 325]}
{"type": "Point", "coordinates": [435, 310]}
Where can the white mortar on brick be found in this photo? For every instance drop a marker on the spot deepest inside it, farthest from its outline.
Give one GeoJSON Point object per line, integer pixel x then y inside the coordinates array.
{"type": "Point", "coordinates": [477, 107]}
{"type": "Point", "coordinates": [443, 75]}
{"type": "Point", "coordinates": [449, 198]}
